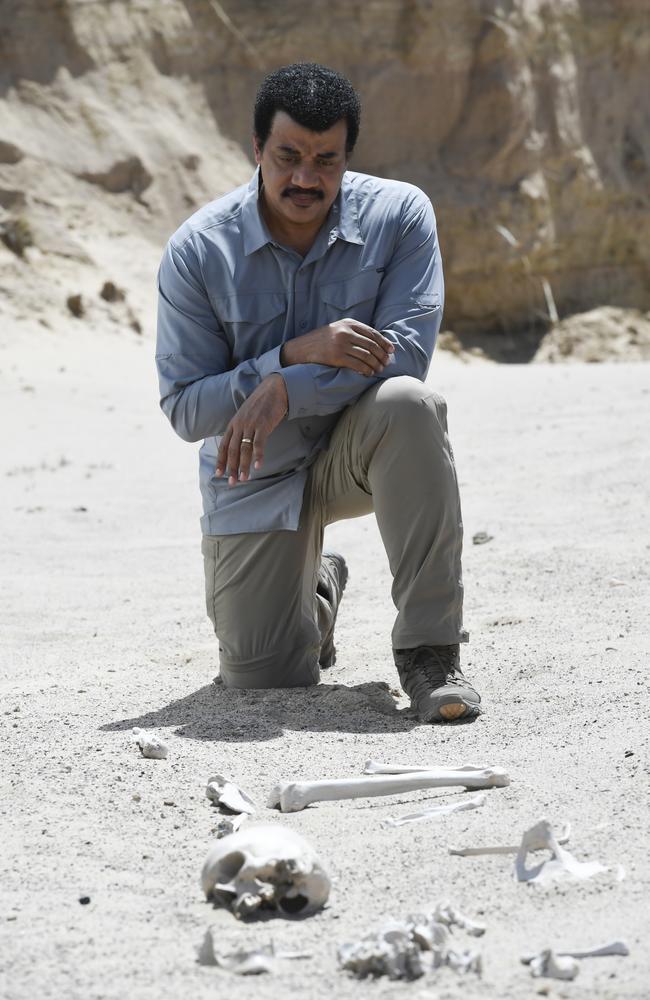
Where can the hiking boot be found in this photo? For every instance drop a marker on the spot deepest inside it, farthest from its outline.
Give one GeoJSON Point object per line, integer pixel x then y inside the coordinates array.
{"type": "Point", "coordinates": [332, 578]}
{"type": "Point", "coordinates": [431, 677]}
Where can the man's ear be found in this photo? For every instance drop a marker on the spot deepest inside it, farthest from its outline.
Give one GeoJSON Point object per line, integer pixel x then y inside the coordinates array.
{"type": "Point", "coordinates": [257, 149]}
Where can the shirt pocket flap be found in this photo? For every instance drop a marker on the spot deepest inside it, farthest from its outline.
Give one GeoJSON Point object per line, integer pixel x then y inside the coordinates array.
{"type": "Point", "coordinates": [253, 307]}
{"type": "Point", "coordinates": [350, 291]}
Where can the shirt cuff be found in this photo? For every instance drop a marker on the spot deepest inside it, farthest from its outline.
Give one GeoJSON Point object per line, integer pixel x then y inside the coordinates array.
{"type": "Point", "coordinates": [299, 381]}
{"type": "Point", "coordinates": [269, 363]}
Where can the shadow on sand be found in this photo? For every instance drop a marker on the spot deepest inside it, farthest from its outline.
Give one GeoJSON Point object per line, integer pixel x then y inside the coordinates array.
{"type": "Point", "coordinates": [218, 713]}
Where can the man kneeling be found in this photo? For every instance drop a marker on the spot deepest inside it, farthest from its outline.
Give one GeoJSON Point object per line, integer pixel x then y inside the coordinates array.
{"type": "Point", "coordinates": [297, 320]}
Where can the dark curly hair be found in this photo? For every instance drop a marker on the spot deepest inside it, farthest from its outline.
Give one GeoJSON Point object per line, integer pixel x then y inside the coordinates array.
{"type": "Point", "coordinates": [315, 96]}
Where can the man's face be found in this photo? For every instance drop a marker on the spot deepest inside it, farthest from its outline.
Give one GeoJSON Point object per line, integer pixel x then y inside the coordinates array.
{"type": "Point", "coordinates": [301, 170]}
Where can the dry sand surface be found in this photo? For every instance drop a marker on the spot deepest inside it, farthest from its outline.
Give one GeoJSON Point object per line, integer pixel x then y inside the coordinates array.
{"type": "Point", "coordinates": [103, 629]}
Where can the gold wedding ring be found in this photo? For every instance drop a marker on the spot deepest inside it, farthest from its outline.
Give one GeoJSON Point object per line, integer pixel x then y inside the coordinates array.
{"type": "Point", "coordinates": [246, 440]}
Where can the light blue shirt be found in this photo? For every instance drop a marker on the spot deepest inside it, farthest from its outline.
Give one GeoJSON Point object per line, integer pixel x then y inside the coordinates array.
{"type": "Point", "coordinates": [229, 298]}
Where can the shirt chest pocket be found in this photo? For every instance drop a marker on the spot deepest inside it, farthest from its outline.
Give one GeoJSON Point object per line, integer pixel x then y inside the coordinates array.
{"type": "Point", "coordinates": [354, 297]}
{"type": "Point", "coordinates": [253, 322]}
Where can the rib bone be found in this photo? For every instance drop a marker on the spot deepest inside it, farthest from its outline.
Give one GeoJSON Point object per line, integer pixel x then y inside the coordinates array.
{"type": "Point", "coordinates": [295, 795]}
{"type": "Point", "coordinates": [439, 810]}
{"type": "Point", "coordinates": [474, 852]}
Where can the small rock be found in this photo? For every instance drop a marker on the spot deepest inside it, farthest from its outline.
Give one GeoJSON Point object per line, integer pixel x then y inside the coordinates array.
{"type": "Point", "coordinates": [75, 305]}
{"type": "Point", "coordinates": [84, 900]}
{"type": "Point", "coordinates": [111, 293]}
{"type": "Point", "coordinates": [481, 537]}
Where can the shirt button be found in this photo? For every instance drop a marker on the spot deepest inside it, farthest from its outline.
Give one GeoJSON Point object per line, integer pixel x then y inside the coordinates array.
{"type": "Point", "coordinates": [303, 325]}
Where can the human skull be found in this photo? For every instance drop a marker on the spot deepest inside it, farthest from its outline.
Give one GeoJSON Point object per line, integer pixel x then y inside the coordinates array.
{"type": "Point", "coordinates": [265, 866]}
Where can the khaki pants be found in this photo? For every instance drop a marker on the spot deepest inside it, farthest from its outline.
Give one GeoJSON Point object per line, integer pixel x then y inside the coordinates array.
{"type": "Point", "coordinates": [389, 453]}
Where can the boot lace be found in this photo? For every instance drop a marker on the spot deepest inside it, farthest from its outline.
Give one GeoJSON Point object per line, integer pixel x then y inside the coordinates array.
{"type": "Point", "coordinates": [433, 666]}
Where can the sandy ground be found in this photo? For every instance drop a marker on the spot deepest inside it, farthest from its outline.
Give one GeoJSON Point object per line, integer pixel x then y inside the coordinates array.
{"type": "Point", "coordinates": [103, 628]}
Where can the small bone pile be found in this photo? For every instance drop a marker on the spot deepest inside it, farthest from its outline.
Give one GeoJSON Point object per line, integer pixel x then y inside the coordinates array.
{"type": "Point", "coordinates": [265, 867]}
{"type": "Point", "coordinates": [150, 745]}
{"type": "Point", "coordinates": [410, 948]}
{"type": "Point", "coordinates": [235, 805]}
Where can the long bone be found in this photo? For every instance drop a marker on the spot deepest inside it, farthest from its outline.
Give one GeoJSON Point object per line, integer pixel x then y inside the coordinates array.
{"type": "Point", "coordinates": [611, 948]}
{"type": "Point", "coordinates": [377, 767]}
{"type": "Point", "coordinates": [296, 795]}
{"type": "Point", "coordinates": [475, 852]}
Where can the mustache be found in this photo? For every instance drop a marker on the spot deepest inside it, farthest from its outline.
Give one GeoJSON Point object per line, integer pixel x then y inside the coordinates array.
{"type": "Point", "coordinates": [315, 193]}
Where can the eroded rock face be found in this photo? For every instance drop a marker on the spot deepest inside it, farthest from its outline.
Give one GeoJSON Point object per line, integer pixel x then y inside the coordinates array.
{"type": "Point", "coordinates": [527, 115]}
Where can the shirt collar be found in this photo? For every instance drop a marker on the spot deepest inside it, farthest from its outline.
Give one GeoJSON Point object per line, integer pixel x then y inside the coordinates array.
{"type": "Point", "coordinates": [343, 217]}
{"type": "Point", "coordinates": [345, 214]}
{"type": "Point", "coordinates": [254, 230]}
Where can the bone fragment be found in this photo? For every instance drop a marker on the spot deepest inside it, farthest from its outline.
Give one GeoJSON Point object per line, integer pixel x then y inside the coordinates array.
{"type": "Point", "coordinates": [448, 915]}
{"type": "Point", "coordinates": [553, 966]}
{"type": "Point", "coordinates": [224, 792]}
{"type": "Point", "coordinates": [150, 745]}
{"type": "Point", "coordinates": [243, 962]}
{"type": "Point", "coordinates": [561, 864]}
{"type": "Point", "coordinates": [439, 810]}
{"type": "Point", "coordinates": [611, 948]}
{"type": "Point", "coordinates": [229, 824]}
{"type": "Point", "coordinates": [295, 795]}
{"type": "Point", "coordinates": [474, 852]}
{"type": "Point", "coordinates": [377, 767]}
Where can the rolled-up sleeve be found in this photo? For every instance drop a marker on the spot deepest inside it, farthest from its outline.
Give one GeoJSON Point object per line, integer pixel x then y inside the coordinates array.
{"type": "Point", "coordinates": [199, 391]}
{"type": "Point", "coordinates": [408, 311]}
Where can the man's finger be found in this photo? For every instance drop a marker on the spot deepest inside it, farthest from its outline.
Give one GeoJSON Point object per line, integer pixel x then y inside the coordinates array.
{"type": "Point", "coordinates": [372, 334]}
{"type": "Point", "coordinates": [233, 459]}
{"type": "Point", "coordinates": [223, 451]}
{"type": "Point", "coordinates": [371, 348]}
{"type": "Point", "coordinates": [258, 449]}
{"type": "Point", "coordinates": [246, 454]}
{"type": "Point", "coordinates": [358, 363]}
{"type": "Point", "coordinates": [367, 357]}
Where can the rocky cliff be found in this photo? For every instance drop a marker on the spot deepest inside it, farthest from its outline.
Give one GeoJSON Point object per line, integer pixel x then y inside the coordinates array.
{"type": "Point", "coordinates": [527, 122]}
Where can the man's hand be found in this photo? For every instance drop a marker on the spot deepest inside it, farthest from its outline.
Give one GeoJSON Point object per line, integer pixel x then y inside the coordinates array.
{"type": "Point", "coordinates": [247, 432]}
{"type": "Point", "coordinates": [347, 343]}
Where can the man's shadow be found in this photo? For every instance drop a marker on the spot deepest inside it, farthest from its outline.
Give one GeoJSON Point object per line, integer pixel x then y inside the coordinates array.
{"type": "Point", "coordinates": [218, 713]}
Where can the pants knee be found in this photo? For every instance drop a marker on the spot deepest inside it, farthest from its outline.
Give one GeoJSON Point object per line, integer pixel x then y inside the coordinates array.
{"type": "Point", "coordinates": [411, 403]}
